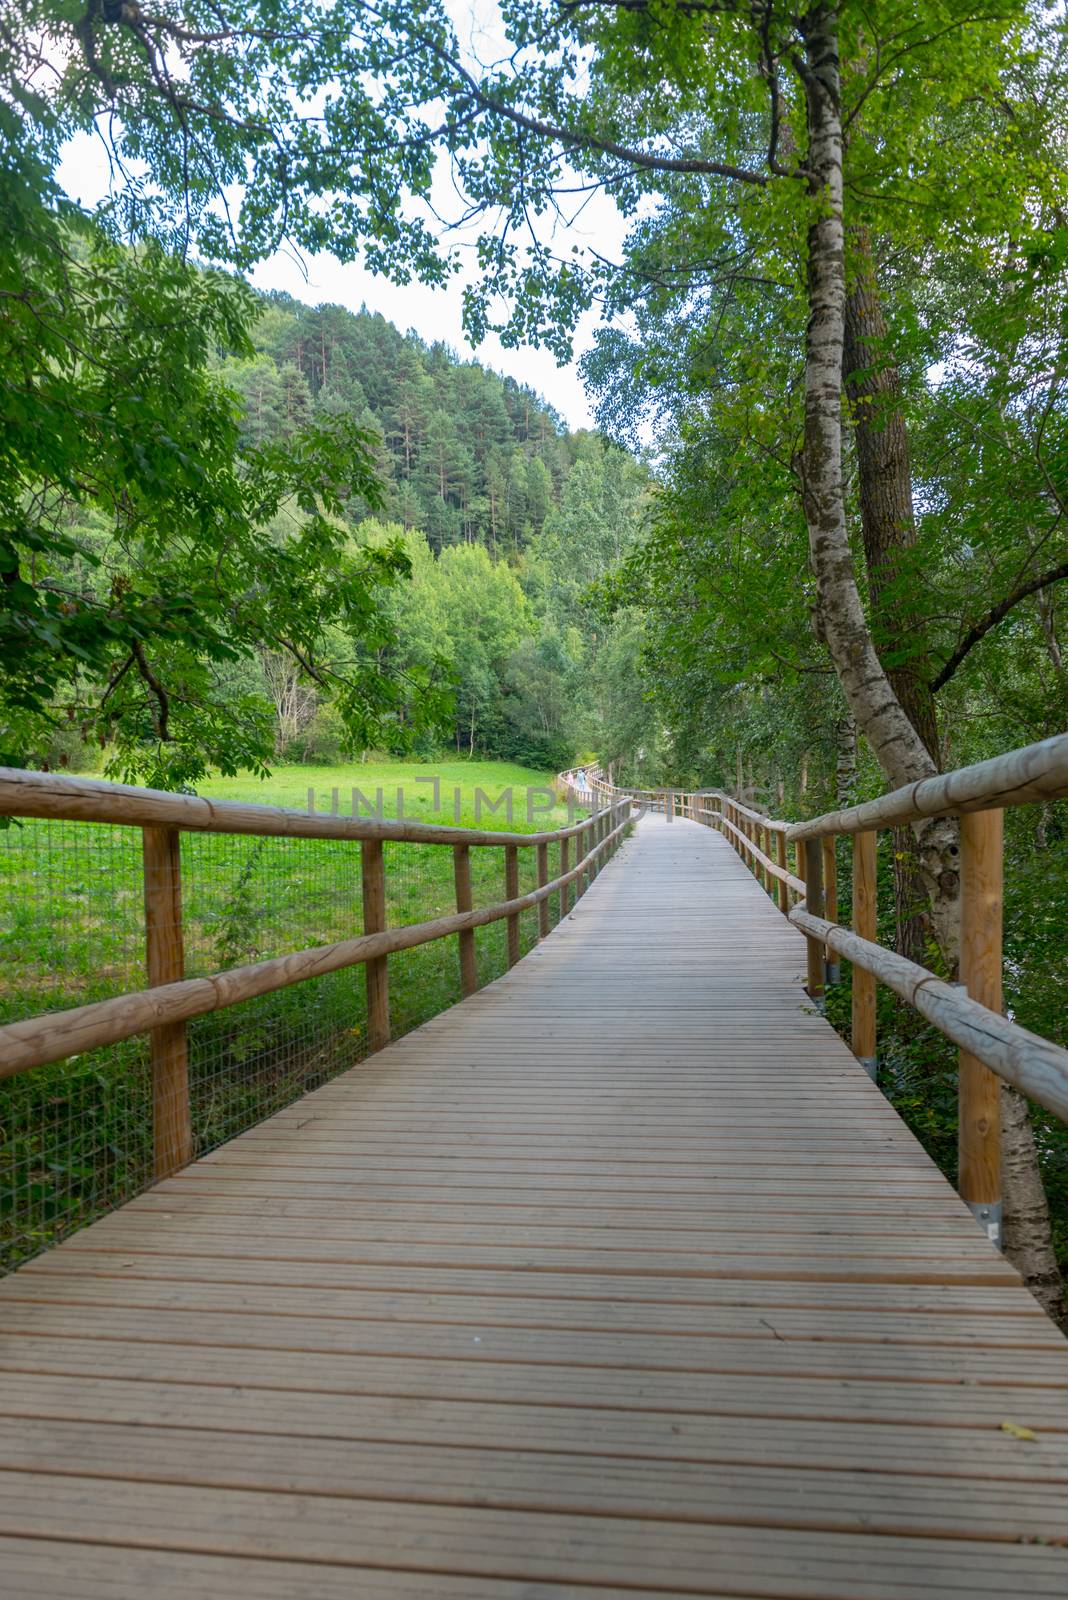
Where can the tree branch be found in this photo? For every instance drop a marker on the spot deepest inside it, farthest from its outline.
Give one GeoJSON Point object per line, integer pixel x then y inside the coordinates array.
{"type": "Point", "coordinates": [996, 614]}
{"type": "Point", "coordinates": [162, 716]}
{"type": "Point", "coordinates": [645, 160]}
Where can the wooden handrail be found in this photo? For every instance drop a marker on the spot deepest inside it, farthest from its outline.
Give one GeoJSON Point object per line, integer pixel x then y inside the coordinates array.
{"type": "Point", "coordinates": [772, 823]}
{"type": "Point", "coordinates": [58, 1034]}
{"type": "Point", "coordinates": [1030, 1063]}
{"type": "Point", "coordinates": [163, 1009]}
{"type": "Point", "coordinates": [991, 1046]}
{"type": "Point", "coordinates": [781, 874]}
{"type": "Point", "coordinates": [49, 794]}
{"type": "Point", "coordinates": [1036, 772]}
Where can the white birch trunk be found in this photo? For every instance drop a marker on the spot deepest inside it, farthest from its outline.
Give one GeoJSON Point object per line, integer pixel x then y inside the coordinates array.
{"type": "Point", "coordinates": [894, 742]}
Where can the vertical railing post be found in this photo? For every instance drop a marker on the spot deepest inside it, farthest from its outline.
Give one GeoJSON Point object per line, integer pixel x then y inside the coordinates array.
{"type": "Point", "coordinates": [376, 971]}
{"type": "Point", "coordinates": [864, 926]}
{"type": "Point", "coordinates": [813, 858]}
{"type": "Point", "coordinates": [511, 892]}
{"type": "Point", "coordinates": [172, 1128]}
{"type": "Point", "coordinates": [543, 878]}
{"type": "Point", "coordinates": [769, 881]}
{"type": "Point", "coordinates": [780, 861]}
{"type": "Point", "coordinates": [461, 854]}
{"type": "Point", "coordinates": [979, 1111]}
{"type": "Point", "coordinates": [830, 901]}
{"type": "Point", "coordinates": [565, 863]}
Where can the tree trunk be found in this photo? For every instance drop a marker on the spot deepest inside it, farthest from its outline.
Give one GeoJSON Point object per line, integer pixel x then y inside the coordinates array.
{"type": "Point", "coordinates": [845, 769]}
{"type": "Point", "coordinates": [925, 858]}
{"type": "Point", "coordinates": [888, 519]}
{"type": "Point", "coordinates": [1027, 1239]}
{"type": "Point", "coordinates": [898, 745]}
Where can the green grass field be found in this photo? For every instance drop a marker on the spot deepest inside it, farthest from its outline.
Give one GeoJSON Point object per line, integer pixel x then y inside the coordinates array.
{"type": "Point", "coordinates": [75, 1138]}
{"type": "Point", "coordinates": [290, 786]}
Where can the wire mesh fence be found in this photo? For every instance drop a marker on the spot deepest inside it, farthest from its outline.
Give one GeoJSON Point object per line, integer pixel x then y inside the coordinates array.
{"type": "Point", "coordinates": [76, 1137]}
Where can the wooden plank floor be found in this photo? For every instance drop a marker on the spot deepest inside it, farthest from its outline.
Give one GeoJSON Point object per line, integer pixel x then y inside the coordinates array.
{"type": "Point", "coordinates": [620, 1279]}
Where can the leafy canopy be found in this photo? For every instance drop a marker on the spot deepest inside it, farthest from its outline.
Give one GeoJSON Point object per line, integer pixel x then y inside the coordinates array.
{"type": "Point", "coordinates": [146, 551]}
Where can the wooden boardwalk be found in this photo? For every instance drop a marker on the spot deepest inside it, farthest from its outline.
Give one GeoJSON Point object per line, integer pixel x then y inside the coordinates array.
{"type": "Point", "coordinates": [620, 1279]}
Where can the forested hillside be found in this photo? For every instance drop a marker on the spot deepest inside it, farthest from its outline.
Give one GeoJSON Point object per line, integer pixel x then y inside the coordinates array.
{"type": "Point", "coordinates": [465, 454]}
{"type": "Point", "coordinates": [506, 521]}
{"type": "Point", "coordinates": [466, 543]}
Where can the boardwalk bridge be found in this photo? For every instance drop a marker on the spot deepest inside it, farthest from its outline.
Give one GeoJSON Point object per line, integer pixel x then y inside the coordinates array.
{"type": "Point", "coordinates": [619, 1279]}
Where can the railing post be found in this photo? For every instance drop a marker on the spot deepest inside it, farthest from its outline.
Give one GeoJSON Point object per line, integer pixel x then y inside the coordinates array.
{"type": "Point", "coordinates": [565, 863]}
{"type": "Point", "coordinates": [813, 857]}
{"type": "Point", "coordinates": [172, 1129]}
{"type": "Point", "coordinates": [780, 860]}
{"type": "Point", "coordinates": [979, 1089]}
{"type": "Point", "coordinates": [461, 856]}
{"type": "Point", "coordinates": [511, 892]}
{"type": "Point", "coordinates": [543, 878]}
{"type": "Point", "coordinates": [769, 881]}
{"type": "Point", "coordinates": [862, 1032]}
{"type": "Point", "coordinates": [376, 972]}
{"type": "Point", "coordinates": [830, 900]}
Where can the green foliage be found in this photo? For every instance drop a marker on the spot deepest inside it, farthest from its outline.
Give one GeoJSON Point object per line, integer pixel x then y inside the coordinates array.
{"type": "Point", "coordinates": [146, 552]}
{"type": "Point", "coordinates": [517, 644]}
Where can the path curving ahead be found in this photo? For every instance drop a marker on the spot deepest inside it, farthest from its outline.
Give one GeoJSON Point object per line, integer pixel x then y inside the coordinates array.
{"type": "Point", "coordinates": [621, 1279]}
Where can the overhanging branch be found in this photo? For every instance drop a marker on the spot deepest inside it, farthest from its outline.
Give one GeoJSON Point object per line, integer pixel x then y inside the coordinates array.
{"type": "Point", "coordinates": [996, 614]}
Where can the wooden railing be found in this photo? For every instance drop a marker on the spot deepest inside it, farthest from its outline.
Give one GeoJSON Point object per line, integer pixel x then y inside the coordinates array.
{"type": "Point", "coordinates": [163, 1009]}
{"type": "Point", "coordinates": [591, 782]}
{"type": "Point", "coordinates": [991, 1047]}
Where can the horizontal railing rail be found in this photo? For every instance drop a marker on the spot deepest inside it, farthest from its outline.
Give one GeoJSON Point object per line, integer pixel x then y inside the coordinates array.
{"type": "Point", "coordinates": [170, 1000]}
{"type": "Point", "coordinates": [47, 794]}
{"type": "Point", "coordinates": [992, 1048]}
{"type": "Point", "coordinates": [1035, 773]}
